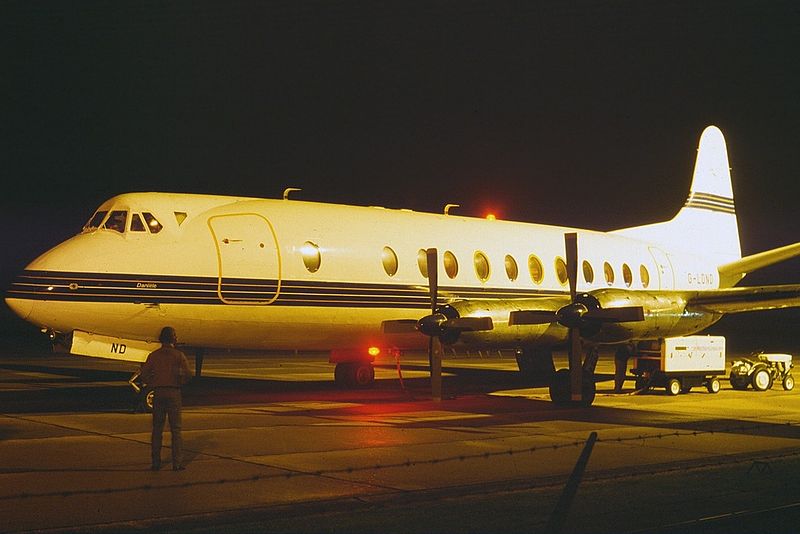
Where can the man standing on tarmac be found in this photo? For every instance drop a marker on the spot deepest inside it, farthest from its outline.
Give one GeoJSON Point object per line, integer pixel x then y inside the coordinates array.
{"type": "Point", "coordinates": [166, 370]}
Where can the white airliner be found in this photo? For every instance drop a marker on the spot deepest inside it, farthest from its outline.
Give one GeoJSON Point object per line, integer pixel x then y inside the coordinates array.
{"type": "Point", "coordinates": [250, 273]}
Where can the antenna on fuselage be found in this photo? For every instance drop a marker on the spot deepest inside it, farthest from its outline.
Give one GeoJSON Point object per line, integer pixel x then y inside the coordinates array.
{"type": "Point", "coordinates": [289, 190]}
{"type": "Point", "coordinates": [448, 206]}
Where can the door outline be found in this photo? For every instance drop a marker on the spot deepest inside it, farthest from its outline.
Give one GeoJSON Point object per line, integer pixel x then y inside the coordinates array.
{"type": "Point", "coordinates": [220, 264]}
{"type": "Point", "coordinates": [664, 266]}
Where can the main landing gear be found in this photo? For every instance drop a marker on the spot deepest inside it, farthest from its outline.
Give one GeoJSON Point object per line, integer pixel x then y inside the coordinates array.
{"type": "Point", "coordinates": [537, 367]}
{"type": "Point", "coordinates": [354, 375]}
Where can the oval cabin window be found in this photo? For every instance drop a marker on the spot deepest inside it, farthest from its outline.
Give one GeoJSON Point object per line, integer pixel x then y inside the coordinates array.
{"type": "Point", "coordinates": [645, 275]}
{"type": "Point", "coordinates": [450, 264]}
{"type": "Point", "coordinates": [535, 268]}
{"type": "Point", "coordinates": [588, 272]}
{"type": "Point", "coordinates": [481, 266]}
{"type": "Point", "coordinates": [608, 271]}
{"type": "Point", "coordinates": [561, 271]}
{"type": "Point", "coordinates": [311, 256]}
{"type": "Point", "coordinates": [627, 275]}
{"type": "Point", "coordinates": [511, 268]}
{"type": "Point", "coordinates": [422, 262]}
{"type": "Point", "coordinates": [389, 260]}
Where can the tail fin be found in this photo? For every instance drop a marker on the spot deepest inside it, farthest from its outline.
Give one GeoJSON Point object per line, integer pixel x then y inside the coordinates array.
{"type": "Point", "coordinates": [706, 225]}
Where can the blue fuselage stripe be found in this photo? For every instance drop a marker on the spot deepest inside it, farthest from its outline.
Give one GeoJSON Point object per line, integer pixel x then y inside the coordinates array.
{"type": "Point", "coordinates": [129, 288]}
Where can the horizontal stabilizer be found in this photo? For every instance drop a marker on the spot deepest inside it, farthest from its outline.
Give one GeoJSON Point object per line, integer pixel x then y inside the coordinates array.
{"type": "Point", "coordinates": [731, 273]}
{"type": "Point", "coordinates": [745, 299]}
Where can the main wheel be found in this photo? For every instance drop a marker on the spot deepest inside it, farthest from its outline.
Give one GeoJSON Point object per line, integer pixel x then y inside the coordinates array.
{"type": "Point", "coordinates": [713, 385]}
{"type": "Point", "coordinates": [762, 380]}
{"type": "Point", "coordinates": [560, 388]}
{"type": "Point", "coordinates": [788, 382]}
{"type": "Point", "coordinates": [673, 386]}
{"type": "Point", "coordinates": [561, 391]}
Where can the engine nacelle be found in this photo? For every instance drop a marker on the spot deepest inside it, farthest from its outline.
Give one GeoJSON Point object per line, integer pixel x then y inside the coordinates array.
{"type": "Point", "coordinates": [665, 315]}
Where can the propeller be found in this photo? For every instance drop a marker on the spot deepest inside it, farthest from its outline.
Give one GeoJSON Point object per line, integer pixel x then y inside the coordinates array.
{"type": "Point", "coordinates": [582, 314]}
{"type": "Point", "coordinates": [442, 324]}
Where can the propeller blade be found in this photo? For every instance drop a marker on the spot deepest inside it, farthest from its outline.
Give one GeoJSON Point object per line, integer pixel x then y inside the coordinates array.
{"type": "Point", "coordinates": [399, 326]}
{"type": "Point", "coordinates": [432, 257]}
{"type": "Point", "coordinates": [575, 364]}
{"type": "Point", "coordinates": [470, 324]}
{"type": "Point", "coordinates": [571, 246]}
{"type": "Point", "coordinates": [435, 359]}
{"type": "Point", "coordinates": [627, 314]}
{"type": "Point", "coordinates": [434, 344]}
{"type": "Point", "coordinates": [531, 317]}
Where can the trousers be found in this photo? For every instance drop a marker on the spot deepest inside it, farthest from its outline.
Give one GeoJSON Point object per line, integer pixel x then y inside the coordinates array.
{"type": "Point", "coordinates": [167, 405]}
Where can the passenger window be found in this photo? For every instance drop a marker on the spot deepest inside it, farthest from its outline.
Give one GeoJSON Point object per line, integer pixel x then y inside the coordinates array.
{"type": "Point", "coordinates": [152, 223]}
{"type": "Point", "coordinates": [561, 271]}
{"type": "Point", "coordinates": [180, 216]}
{"type": "Point", "coordinates": [481, 266]}
{"type": "Point", "coordinates": [627, 275]}
{"type": "Point", "coordinates": [535, 268]}
{"type": "Point", "coordinates": [608, 271]}
{"type": "Point", "coordinates": [512, 271]}
{"type": "Point", "coordinates": [588, 272]}
{"type": "Point", "coordinates": [116, 221]}
{"type": "Point", "coordinates": [311, 256]}
{"type": "Point", "coordinates": [136, 223]}
{"type": "Point", "coordinates": [422, 262]}
{"type": "Point", "coordinates": [450, 264]}
{"type": "Point", "coordinates": [645, 275]}
{"type": "Point", "coordinates": [389, 260]}
{"type": "Point", "coordinates": [96, 220]}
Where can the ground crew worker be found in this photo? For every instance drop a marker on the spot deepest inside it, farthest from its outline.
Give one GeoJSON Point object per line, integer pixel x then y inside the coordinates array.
{"type": "Point", "coordinates": [166, 370]}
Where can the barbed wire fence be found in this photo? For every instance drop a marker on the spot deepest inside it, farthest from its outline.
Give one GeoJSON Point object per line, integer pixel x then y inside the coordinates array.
{"type": "Point", "coordinates": [549, 481]}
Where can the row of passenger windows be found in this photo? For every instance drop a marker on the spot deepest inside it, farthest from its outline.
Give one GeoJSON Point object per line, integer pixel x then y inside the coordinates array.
{"type": "Point", "coordinates": [312, 259]}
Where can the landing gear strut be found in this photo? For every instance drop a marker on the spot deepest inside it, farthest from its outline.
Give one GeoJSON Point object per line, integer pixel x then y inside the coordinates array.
{"type": "Point", "coordinates": [354, 375]}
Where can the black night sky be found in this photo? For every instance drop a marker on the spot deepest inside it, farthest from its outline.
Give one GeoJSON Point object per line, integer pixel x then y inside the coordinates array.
{"type": "Point", "coordinates": [583, 113]}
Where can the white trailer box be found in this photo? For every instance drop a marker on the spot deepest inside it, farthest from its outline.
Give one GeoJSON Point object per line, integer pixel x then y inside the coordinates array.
{"type": "Point", "coordinates": [693, 354]}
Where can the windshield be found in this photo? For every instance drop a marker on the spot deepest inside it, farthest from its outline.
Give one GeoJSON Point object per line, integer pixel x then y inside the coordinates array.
{"type": "Point", "coordinates": [95, 221]}
{"type": "Point", "coordinates": [116, 221]}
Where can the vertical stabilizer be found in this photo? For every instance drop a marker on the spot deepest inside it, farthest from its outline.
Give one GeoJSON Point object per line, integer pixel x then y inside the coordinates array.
{"type": "Point", "coordinates": [706, 225]}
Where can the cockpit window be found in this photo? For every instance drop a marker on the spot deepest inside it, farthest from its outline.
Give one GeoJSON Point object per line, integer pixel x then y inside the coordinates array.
{"type": "Point", "coordinates": [136, 223]}
{"type": "Point", "coordinates": [152, 223]}
{"type": "Point", "coordinates": [95, 221]}
{"type": "Point", "coordinates": [116, 221]}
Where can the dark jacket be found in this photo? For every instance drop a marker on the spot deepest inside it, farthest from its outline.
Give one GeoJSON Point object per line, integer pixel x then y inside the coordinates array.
{"type": "Point", "coordinates": [166, 367]}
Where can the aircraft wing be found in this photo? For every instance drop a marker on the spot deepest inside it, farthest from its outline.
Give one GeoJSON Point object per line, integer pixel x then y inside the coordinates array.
{"type": "Point", "coordinates": [745, 299]}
